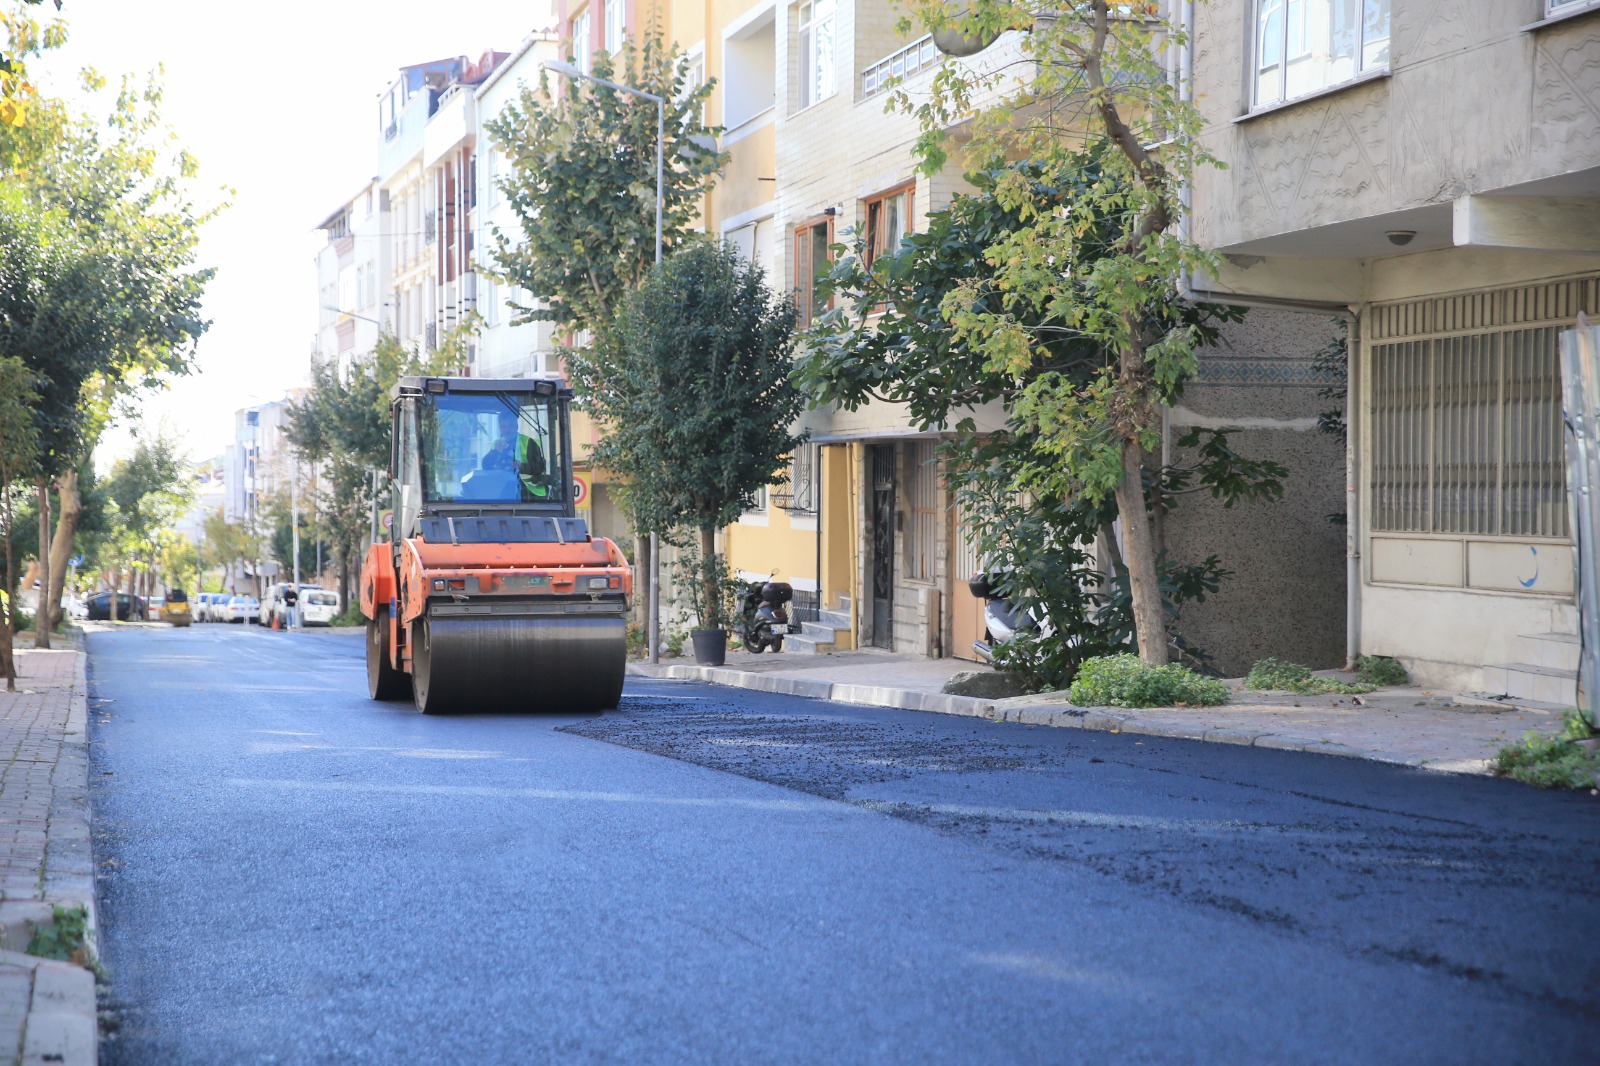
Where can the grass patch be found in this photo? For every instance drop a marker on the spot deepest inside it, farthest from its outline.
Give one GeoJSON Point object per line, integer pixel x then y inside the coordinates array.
{"type": "Point", "coordinates": [1381, 670]}
{"type": "Point", "coordinates": [66, 937]}
{"type": "Point", "coordinates": [1553, 760]}
{"type": "Point", "coordinates": [1275, 675]}
{"type": "Point", "coordinates": [1124, 681]}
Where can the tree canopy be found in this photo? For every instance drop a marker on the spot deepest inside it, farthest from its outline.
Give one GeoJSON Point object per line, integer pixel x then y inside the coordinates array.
{"type": "Point", "coordinates": [582, 182]}
{"type": "Point", "coordinates": [692, 389]}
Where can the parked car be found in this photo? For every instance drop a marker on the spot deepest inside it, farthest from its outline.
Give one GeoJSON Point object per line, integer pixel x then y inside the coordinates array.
{"type": "Point", "coordinates": [129, 608]}
{"type": "Point", "coordinates": [275, 607]}
{"type": "Point", "coordinates": [241, 609]}
{"type": "Point", "coordinates": [204, 603]}
{"type": "Point", "coordinates": [318, 607]}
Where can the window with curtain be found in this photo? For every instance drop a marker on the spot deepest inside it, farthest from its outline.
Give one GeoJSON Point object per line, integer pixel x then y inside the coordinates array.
{"type": "Point", "coordinates": [888, 221]}
{"type": "Point", "coordinates": [811, 262]}
{"type": "Point", "coordinates": [1302, 46]}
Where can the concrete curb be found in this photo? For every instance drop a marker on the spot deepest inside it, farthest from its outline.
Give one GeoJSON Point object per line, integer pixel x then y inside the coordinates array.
{"type": "Point", "coordinates": [1045, 709]}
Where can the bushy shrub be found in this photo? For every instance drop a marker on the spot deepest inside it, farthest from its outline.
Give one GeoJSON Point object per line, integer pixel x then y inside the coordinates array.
{"type": "Point", "coordinates": [1381, 670]}
{"type": "Point", "coordinates": [1275, 675]}
{"type": "Point", "coordinates": [1553, 761]}
{"type": "Point", "coordinates": [1124, 681]}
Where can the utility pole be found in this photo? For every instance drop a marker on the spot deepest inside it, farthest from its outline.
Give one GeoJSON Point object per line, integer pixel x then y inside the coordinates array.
{"type": "Point", "coordinates": [294, 533]}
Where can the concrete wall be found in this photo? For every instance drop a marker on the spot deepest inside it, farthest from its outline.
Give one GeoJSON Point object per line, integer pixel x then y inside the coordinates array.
{"type": "Point", "coordinates": [1286, 598]}
{"type": "Point", "coordinates": [1473, 102]}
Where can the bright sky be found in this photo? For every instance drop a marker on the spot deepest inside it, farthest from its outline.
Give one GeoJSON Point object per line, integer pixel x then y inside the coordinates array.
{"type": "Point", "coordinates": [277, 101]}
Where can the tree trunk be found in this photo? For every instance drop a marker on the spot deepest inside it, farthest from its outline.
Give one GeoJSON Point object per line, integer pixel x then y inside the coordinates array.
{"type": "Point", "coordinates": [344, 579]}
{"type": "Point", "coordinates": [641, 596]}
{"type": "Point", "coordinates": [708, 577]}
{"type": "Point", "coordinates": [1144, 584]}
{"type": "Point", "coordinates": [67, 515]}
{"type": "Point", "coordinates": [41, 608]}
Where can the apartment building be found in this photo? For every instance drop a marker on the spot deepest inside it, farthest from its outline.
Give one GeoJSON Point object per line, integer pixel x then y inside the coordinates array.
{"type": "Point", "coordinates": [428, 129]}
{"type": "Point", "coordinates": [353, 267]}
{"type": "Point", "coordinates": [1431, 173]}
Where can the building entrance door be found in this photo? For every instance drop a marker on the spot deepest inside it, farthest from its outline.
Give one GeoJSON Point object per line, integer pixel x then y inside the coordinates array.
{"type": "Point", "coordinates": [881, 469]}
{"type": "Point", "coordinates": [966, 610]}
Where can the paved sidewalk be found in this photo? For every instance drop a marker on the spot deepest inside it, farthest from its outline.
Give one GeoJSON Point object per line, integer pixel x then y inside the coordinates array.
{"type": "Point", "coordinates": [47, 1008]}
{"type": "Point", "coordinates": [1405, 725]}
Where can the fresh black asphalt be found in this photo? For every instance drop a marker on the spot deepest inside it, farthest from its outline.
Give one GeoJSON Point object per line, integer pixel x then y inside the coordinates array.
{"type": "Point", "coordinates": [292, 873]}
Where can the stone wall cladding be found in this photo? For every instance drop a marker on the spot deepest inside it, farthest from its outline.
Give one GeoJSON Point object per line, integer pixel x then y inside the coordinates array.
{"type": "Point", "coordinates": [1286, 597]}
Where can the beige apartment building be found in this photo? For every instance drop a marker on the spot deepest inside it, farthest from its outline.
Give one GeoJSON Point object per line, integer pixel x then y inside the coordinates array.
{"type": "Point", "coordinates": [1431, 172]}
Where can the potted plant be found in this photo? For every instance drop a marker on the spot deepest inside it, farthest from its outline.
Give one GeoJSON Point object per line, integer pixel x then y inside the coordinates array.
{"type": "Point", "coordinates": [712, 600]}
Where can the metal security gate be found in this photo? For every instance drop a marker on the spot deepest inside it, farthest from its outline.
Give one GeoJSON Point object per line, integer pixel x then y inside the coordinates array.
{"type": "Point", "coordinates": [881, 464]}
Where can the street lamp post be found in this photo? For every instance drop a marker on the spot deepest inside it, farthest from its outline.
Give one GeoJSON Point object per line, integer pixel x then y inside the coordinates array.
{"type": "Point", "coordinates": [558, 67]}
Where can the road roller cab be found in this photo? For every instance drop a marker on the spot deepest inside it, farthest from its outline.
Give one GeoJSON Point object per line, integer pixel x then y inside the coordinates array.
{"type": "Point", "coordinates": [489, 593]}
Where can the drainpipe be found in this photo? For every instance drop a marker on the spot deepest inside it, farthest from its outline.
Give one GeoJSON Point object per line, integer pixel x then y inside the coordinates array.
{"type": "Point", "coordinates": [1188, 290]}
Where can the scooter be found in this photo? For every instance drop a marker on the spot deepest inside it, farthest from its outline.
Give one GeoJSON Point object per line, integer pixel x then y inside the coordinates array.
{"type": "Point", "coordinates": [1001, 620]}
{"type": "Point", "coordinates": [765, 619]}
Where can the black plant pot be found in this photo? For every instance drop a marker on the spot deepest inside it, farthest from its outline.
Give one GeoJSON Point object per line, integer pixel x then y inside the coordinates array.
{"type": "Point", "coordinates": [710, 646]}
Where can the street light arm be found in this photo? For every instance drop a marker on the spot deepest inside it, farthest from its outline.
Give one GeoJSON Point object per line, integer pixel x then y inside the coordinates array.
{"type": "Point", "coordinates": [558, 67]}
{"type": "Point", "coordinates": [352, 314]}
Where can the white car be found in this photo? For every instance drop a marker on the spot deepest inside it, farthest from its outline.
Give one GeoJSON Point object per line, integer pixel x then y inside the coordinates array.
{"type": "Point", "coordinates": [208, 606]}
{"type": "Point", "coordinates": [318, 606]}
{"type": "Point", "coordinates": [241, 609]}
{"type": "Point", "coordinates": [276, 608]}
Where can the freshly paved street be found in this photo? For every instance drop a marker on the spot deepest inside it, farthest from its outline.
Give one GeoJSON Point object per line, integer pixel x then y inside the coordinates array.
{"type": "Point", "coordinates": [291, 873]}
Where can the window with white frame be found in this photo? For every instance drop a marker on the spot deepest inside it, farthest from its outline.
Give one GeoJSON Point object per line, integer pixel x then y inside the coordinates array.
{"type": "Point", "coordinates": [816, 66]}
{"type": "Point", "coordinates": [580, 42]}
{"type": "Point", "coordinates": [615, 25]}
{"type": "Point", "coordinates": [1558, 7]}
{"type": "Point", "coordinates": [1302, 46]}
{"type": "Point", "coordinates": [489, 297]}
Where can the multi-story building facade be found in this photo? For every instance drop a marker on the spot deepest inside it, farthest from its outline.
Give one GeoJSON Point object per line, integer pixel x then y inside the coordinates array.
{"type": "Point", "coordinates": [1431, 173]}
{"type": "Point", "coordinates": [353, 268]}
{"type": "Point", "coordinates": [428, 130]}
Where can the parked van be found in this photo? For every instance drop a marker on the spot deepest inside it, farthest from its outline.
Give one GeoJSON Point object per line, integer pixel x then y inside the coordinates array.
{"type": "Point", "coordinates": [276, 607]}
{"type": "Point", "coordinates": [318, 607]}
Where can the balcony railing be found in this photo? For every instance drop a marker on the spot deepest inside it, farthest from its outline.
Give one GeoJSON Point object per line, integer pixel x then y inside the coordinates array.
{"type": "Point", "coordinates": [918, 55]}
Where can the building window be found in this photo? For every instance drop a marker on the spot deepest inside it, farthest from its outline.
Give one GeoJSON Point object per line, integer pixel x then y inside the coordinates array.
{"type": "Point", "coordinates": [580, 42]}
{"type": "Point", "coordinates": [1556, 7]}
{"type": "Point", "coordinates": [816, 51]}
{"type": "Point", "coordinates": [799, 496]}
{"type": "Point", "coordinates": [888, 221]}
{"type": "Point", "coordinates": [1305, 45]}
{"type": "Point", "coordinates": [615, 25]}
{"type": "Point", "coordinates": [811, 263]}
{"type": "Point", "coordinates": [1467, 435]}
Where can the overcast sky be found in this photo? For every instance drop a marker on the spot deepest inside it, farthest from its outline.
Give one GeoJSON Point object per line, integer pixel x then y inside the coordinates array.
{"type": "Point", "coordinates": [277, 101]}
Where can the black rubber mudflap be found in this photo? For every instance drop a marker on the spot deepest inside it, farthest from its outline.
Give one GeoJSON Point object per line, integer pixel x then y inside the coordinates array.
{"type": "Point", "coordinates": [555, 665]}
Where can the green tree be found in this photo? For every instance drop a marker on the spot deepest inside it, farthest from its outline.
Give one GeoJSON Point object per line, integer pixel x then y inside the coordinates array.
{"type": "Point", "coordinates": [892, 339]}
{"type": "Point", "coordinates": [1098, 79]}
{"type": "Point", "coordinates": [582, 182]}
{"type": "Point", "coordinates": [21, 38]}
{"type": "Point", "coordinates": [691, 388]}
{"type": "Point", "coordinates": [147, 493]}
{"type": "Point", "coordinates": [19, 455]}
{"type": "Point", "coordinates": [342, 426]}
{"type": "Point", "coordinates": [108, 206]}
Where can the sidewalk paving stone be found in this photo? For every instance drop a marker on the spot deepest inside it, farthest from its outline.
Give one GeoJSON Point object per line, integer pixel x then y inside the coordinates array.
{"type": "Point", "coordinates": [47, 1008]}
{"type": "Point", "coordinates": [1403, 725]}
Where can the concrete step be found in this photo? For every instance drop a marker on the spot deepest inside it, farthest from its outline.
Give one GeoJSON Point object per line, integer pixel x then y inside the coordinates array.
{"type": "Point", "coordinates": [836, 619]}
{"type": "Point", "coordinates": [818, 631]}
{"type": "Point", "coordinates": [844, 604]}
{"type": "Point", "coordinates": [800, 644]}
{"type": "Point", "coordinates": [1558, 650]}
{"type": "Point", "coordinates": [1530, 681]}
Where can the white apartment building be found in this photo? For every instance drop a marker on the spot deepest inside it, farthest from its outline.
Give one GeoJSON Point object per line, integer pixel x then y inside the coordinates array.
{"type": "Point", "coordinates": [506, 349]}
{"type": "Point", "coordinates": [354, 297]}
{"type": "Point", "coordinates": [257, 463]}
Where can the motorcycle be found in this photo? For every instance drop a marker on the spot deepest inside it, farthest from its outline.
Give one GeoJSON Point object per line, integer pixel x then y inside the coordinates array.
{"type": "Point", "coordinates": [765, 619]}
{"type": "Point", "coordinates": [1001, 619]}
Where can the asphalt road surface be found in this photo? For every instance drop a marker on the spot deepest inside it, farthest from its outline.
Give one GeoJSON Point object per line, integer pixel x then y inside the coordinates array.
{"type": "Point", "coordinates": [292, 873]}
